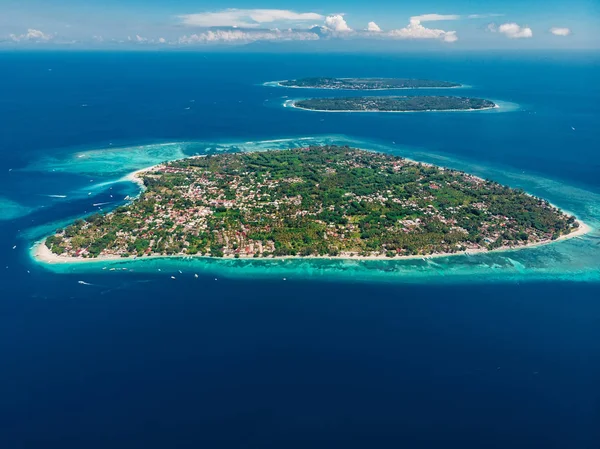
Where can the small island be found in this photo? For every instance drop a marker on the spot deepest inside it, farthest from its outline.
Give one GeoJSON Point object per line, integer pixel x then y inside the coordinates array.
{"type": "Point", "coordinates": [366, 83]}
{"type": "Point", "coordinates": [321, 201]}
{"type": "Point", "coordinates": [393, 104]}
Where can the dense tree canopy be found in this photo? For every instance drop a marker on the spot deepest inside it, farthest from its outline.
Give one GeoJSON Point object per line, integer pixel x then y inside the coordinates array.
{"type": "Point", "coordinates": [326, 200]}
{"type": "Point", "coordinates": [394, 104]}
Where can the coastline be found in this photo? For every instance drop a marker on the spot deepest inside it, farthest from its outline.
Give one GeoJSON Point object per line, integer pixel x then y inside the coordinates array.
{"type": "Point", "coordinates": [42, 254]}
{"type": "Point", "coordinates": [133, 177]}
{"type": "Point", "coordinates": [292, 104]}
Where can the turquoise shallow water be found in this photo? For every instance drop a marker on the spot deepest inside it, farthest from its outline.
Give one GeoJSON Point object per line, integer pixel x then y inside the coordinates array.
{"type": "Point", "coordinates": [573, 259]}
{"type": "Point", "coordinates": [11, 209]}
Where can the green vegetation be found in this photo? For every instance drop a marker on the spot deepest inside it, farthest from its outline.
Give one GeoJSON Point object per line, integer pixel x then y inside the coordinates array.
{"type": "Point", "coordinates": [365, 83]}
{"type": "Point", "coordinates": [394, 104]}
{"type": "Point", "coordinates": [326, 200]}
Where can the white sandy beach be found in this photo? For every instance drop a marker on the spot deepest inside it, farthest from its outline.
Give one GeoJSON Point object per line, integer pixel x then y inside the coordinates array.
{"type": "Point", "coordinates": [43, 254]}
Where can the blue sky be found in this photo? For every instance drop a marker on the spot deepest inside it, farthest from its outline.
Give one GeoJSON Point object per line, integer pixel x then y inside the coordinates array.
{"type": "Point", "coordinates": [402, 24]}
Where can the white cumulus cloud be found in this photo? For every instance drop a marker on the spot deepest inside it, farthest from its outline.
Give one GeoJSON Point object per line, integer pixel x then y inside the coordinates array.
{"type": "Point", "coordinates": [435, 17]}
{"type": "Point", "coordinates": [246, 18]}
{"type": "Point", "coordinates": [373, 27]}
{"type": "Point", "coordinates": [560, 31]}
{"type": "Point", "coordinates": [32, 36]}
{"type": "Point", "coordinates": [415, 30]}
{"type": "Point", "coordinates": [336, 22]}
{"type": "Point", "coordinates": [137, 39]}
{"type": "Point", "coordinates": [244, 37]}
{"type": "Point", "coordinates": [483, 16]}
{"type": "Point", "coordinates": [514, 31]}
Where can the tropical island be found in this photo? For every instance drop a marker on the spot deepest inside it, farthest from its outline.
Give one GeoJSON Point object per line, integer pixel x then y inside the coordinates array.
{"type": "Point", "coordinates": [366, 83]}
{"type": "Point", "coordinates": [321, 201]}
{"type": "Point", "coordinates": [393, 104]}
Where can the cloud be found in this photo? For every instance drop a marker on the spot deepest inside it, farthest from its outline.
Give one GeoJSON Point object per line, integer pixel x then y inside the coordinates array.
{"type": "Point", "coordinates": [483, 16]}
{"type": "Point", "coordinates": [514, 31]}
{"type": "Point", "coordinates": [434, 17]}
{"type": "Point", "coordinates": [560, 31]}
{"type": "Point", "coordinates": [246, 18]}
{"type": "Point", "coordinates": [137, 39]}
{"type": "Point", "coordinates": [373, 27]}
{"type": "Point", "coordinates": [439, 17]}
{"type": "Point", "coordinates": [337, 23]}
{"type": "Point", "coordinates": [32, 36]}
{"type": "Point", "coordinates": [240, 26]}
{"type": "Point", "coordinates": [415, 30]}
{"type": "Point", "coordinates": [244, 37]}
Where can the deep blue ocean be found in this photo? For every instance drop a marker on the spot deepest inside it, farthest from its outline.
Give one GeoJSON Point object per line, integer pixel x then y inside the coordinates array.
{"type": "Point", "coordinates": [484, 352]}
